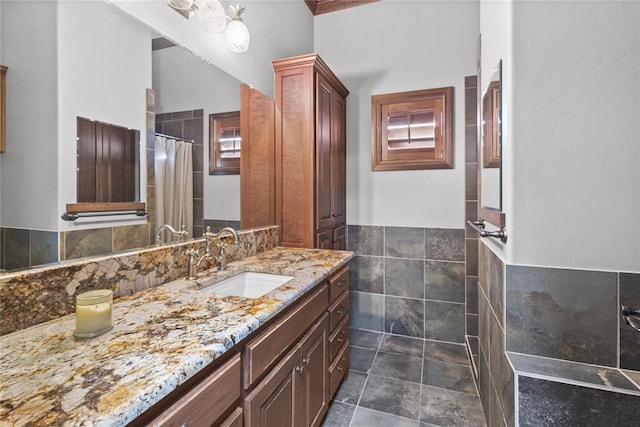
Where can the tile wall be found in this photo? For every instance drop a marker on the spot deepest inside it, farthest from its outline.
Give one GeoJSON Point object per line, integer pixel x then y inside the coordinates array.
{"type": "Point", "coordinates": [408, 281]}
{"type": "Point", "coordinates": [562, 325]}
{"type": "Point", "coordinates": [22, 248]}
{"type": "Point", "coordinates": [218, 224]}
{"type": "Point", "coordinates": [189, 125]}
{"type": "Point", "coordinates": [471, 214]}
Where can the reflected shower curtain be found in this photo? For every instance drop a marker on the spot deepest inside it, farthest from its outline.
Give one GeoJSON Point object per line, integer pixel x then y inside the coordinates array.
{"type": "Point", "coordinates": [174, 184]}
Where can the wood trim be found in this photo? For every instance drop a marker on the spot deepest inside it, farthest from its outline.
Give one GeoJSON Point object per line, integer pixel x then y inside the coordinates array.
{"type": "Point", "coordinates": [442, 158]}
{"type": "Point", "coordinates": [318, 7]}
{"type": "Point", "coordinates": [3, 108]}
{"type": "Point", "coordinates": [227, 166]}
{"type": "Point", "coordinates": [311, 60]}
{"type": "Point", "coordinates": [491, 126]}
{"type": "Point", "coordinates": [104, 207]}
{"type": "Point", "coordinates": [492, 216]}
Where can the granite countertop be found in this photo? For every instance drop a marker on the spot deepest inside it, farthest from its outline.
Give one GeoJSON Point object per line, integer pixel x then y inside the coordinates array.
{"type": "Point", "coordinates": [161, 338]}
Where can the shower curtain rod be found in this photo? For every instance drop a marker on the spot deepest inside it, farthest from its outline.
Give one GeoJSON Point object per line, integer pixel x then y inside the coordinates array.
{"type": "Point", "coordinates": [176, 138]}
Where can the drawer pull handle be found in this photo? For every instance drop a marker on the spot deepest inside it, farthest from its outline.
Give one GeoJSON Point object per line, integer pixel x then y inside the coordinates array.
{"type": "Point", "coordinates": [341, 282]}
{"type": "Point", "coordinates": [340, 368]}
{"type": "Point", "coordinates": [340, 340]}
{"type": "Point", "coordinates": [344, 332]}
{"type": "Point", "coordinates": [340, 312]}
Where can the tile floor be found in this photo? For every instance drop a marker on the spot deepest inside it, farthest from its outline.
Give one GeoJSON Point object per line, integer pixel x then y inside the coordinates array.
{"type": "Point", "coordinates": [397, 381]}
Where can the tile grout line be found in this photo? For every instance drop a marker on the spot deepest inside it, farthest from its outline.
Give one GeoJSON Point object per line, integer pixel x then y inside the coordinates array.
{"type": "Point", "coordinates": [367, 379]}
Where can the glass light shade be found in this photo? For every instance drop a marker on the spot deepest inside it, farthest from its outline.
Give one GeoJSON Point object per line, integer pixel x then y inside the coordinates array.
{"type": "Point", "coordinates": [181, 4]}
{"type": "Point", "coordinates": [236, 36]}
{"type": "Point", "coordinates": [212, 16]}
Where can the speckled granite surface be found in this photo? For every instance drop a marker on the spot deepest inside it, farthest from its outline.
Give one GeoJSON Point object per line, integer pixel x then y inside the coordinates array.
{"type": "Point", "coordinates": [34, 296]}
{"type": "Point", "coordinates": [161, 337]}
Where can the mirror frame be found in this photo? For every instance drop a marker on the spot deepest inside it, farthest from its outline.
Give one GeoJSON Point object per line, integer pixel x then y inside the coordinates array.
{"type": "Point", "coordinates": [492, 215]}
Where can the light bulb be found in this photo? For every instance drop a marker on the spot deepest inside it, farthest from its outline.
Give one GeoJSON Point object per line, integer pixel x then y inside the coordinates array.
{"type": "Point", "coordinates": [237, 36]}
{"type": "Point", "coordinates": [212, 16]}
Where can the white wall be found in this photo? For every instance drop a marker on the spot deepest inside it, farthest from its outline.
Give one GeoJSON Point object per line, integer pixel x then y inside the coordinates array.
{"type": "Point", "coordinates": [576, 152]}
{"type": "Point", "coordinates": [104, 69]}
{"type": "Point", "coordinates": [182, 82]}
{"type": "Point", "coordinates": [278, 29]}
{"type": "Point", "coordinates": [394, 46]}
{"type": "Point", "coordinates": [29, 168]}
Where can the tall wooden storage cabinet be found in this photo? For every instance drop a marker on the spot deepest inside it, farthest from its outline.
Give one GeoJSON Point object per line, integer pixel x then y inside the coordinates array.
{"type": "Point", "coordinates": [310, 153]}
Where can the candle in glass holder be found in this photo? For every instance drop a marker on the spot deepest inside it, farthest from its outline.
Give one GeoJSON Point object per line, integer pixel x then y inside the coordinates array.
{"type": "Point", "coordinates": [93, 313]}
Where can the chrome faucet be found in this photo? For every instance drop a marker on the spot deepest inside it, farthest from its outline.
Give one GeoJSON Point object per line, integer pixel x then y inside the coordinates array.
{"type": "Point", "coordinates": [209, 237]}
{"type": "Point", "coordinates": [182, 234]}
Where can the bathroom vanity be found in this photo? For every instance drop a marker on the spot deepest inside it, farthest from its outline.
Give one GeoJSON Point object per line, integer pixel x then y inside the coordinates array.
{"type": "Point", "coordinates": [180, 354]}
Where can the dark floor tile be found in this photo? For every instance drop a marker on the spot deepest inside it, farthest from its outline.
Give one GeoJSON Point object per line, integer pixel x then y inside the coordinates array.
{"type": "Point", "coordinates": [338, 415]}
{"type": "Point", "coordinates": [369, 418]}
{"type": "Point", "coordinates": [450, 408]}
{"type": "Point", "coordinates": [449, 376]}
{"type": "Point", "coordinates": [361, 359]}
{"type": "Point", "coordinates": [402, 345]}
{"type": "Point", "coordinates": [351, 389]}
{"type": "Point", "coordinates": [392, 396]}
{"type": "Point", "coordinates": [446, 352]}
{"type": "Point", "coordinates": [404, 316]}
{"type": "Point", "coordinates": [444, 321]}
{"type": "Point", "coordinates": [635, 377]}
{"type": "Point", "coordinates": [365, 339]}
{"type": "Point", "coordinates": [397, 366]}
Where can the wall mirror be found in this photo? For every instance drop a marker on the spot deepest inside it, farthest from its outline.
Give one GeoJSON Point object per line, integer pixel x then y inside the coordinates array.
{"type": "Point", "coordinates": [187, 90]}
{"type": "Point", "coordinates": [491, 148]}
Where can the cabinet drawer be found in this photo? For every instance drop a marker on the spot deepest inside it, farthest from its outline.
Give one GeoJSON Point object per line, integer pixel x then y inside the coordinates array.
{"type": "Point", "coordinates": [265, 350]}
{"type": "Point", "coordinates": [338, 311]}
{"type": "Point", "coordinates": [338, 338]}
{"type": "Point", "coordinates": [338, 284]}
{"type": "Point", "coordinates": [338, 369]}
{"type": "Point", "coordinates": [203, 404]}
{"type": "Point", "coordinates": [234, 420]}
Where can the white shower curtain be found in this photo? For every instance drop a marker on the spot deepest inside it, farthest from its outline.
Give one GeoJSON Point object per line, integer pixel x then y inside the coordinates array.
{"type": "Point", "coordinates": [174, 183]}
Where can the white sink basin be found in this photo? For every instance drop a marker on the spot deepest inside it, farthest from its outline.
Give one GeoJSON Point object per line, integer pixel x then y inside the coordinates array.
{"type": "Point", "coordinates": [247, 285]}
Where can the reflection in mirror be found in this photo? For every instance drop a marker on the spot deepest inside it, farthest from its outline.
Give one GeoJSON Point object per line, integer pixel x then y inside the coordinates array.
{"type": "Point", "coordinates": [108, 168]}
{"type": "Point", "coordinates": [187, 90]}
{"type": "Point", "coordinates": [491, 172]}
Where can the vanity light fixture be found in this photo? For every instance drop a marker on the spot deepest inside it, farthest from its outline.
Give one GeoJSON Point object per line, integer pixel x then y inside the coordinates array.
{"type": "Point", "coordinates": [213, 19]}
{"type": "Point", "coordinates": [236, 35]}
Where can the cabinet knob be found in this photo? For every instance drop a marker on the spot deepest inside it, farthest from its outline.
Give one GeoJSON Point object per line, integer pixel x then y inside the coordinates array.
{"type": "Point", "coordinates": [306, 361]}
{"type": "Point", "coordinates": [300, 369]}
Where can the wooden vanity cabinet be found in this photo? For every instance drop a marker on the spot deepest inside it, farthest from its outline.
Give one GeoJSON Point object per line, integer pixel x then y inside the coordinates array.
{"type": "Point", "coordinates": [203, 405]}
{"type": "Point", "coordinates": [310, 153]}
{"type": "Point", "coordinates": [283, 375]}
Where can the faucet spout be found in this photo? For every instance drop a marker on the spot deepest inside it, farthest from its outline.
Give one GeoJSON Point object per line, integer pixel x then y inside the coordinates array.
{"type": "Point", "coordinates": [182, 234]}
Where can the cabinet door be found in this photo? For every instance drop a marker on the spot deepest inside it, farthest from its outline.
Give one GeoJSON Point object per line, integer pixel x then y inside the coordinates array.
{"type": "Point", "coordinates": [339, 241]}
{"type": "Point", "coordinates": [338, 159]}
{"type": "Point", "coordinates": [324, 156]}
{"type": "Point", "coordinates": [315, 384]}
{"type": "Point", "coordinates": [324, 240]}
{"type": "Point", "coordinates": [273, 401]}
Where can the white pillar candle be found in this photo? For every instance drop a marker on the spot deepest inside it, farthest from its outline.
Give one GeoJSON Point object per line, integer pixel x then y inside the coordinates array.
{"type": "Point", "coordinates": [93, 313]}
